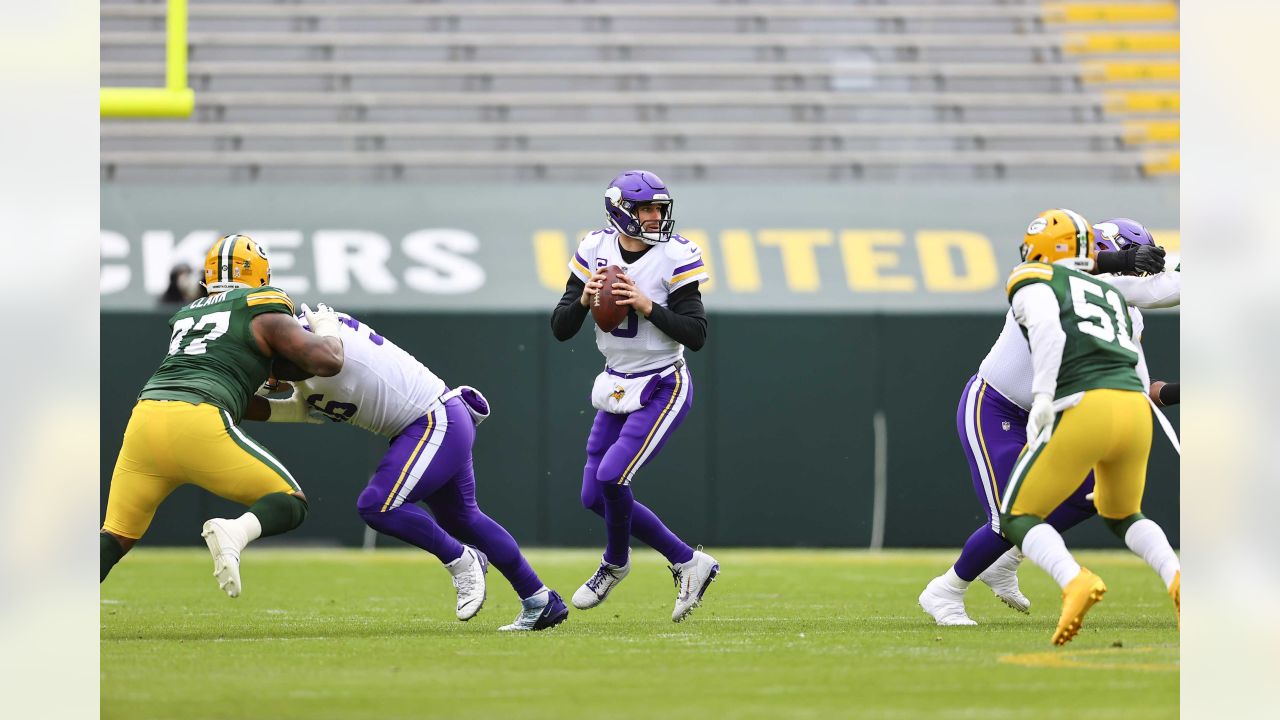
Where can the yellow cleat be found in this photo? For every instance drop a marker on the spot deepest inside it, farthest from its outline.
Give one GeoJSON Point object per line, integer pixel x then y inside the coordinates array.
{"type": "Point", "coordinates": [1175, 592]}
{"type": "Point", "coordinates": [1085, 590]}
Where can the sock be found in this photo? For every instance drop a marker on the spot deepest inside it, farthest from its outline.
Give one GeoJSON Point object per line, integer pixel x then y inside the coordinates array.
{"type": "Point", "coordinates": [460, 563]}
{"type": "Point", "coordinates": [618, 502]}
{"type": "Point", "coordinates": [649, 529]}
{"type": "Point", "coordinates": [109, 553]}
{"type": "Point", "coordinates": [277, 513]}
{"type": "Point", "coordinates": [541, 597]}
{"type": "Point", "coordinates": [1044, 547]}
{"type": "Point", "coordinates": [952, 580]}
{"type": "Point", "coordinates": [984, 547]}
{"type": "Point", "coordinates": [1005, 564]}
{"type": "Point", "coordinates": [413, 525]}
{"type": "Point", "coordinates": [1147, 540]}
{"type": "Point", "coordinates": [250, 526]}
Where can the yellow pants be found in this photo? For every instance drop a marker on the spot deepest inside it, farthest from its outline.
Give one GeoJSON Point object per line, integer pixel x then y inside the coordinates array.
{"type": "Point", "coordinates": [169, 443]}
{"type": "Point", "coordinates": [1109, 432]}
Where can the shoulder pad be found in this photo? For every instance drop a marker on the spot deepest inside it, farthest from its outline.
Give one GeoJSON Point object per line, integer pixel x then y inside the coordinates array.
{"type": "Point", "coordinates": [681, 249]}
{"type": "Point", "coordinates": [1026, 274]}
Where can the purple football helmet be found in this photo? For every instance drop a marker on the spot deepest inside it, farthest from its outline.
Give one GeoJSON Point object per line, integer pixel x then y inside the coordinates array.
{"type": "Point", "coordinates": [626, 193]}
{"type": "Point", "coordinates": [1119, 234]}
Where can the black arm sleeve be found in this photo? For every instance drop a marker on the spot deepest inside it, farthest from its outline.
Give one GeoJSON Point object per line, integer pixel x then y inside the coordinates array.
{"type": "Point", "coordinates": [1170, 394]}
{"type": "Point", "coordinates": [685, 320]}
{"type": "Point", "coordinates": [1111, 261]}
{"type": "Point", "coordinates": [566, 319]}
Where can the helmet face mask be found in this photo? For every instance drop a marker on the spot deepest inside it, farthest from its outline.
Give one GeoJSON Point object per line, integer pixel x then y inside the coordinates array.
{"type": "Point", "coordinates": [632, 190]}
{"type": "Point", "coordinates": [236, 261]}
{"type": "Point", "coordinates": [1060, 236]}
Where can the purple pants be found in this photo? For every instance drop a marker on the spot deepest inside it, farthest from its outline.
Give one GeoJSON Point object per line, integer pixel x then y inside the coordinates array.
{"type": "Point", "coordinates": [993, 431]}
{"type": "Point", "coordinates": [430, 461]}
{"type": "Point", "coordinates": [619, 445]}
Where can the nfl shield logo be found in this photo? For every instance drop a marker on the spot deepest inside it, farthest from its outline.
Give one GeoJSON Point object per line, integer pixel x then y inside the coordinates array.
{"type": "Point", "coordinates": [1004, 425]}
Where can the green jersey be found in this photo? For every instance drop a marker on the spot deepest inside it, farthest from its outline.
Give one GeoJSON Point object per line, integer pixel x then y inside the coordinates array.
{"type": "Point", "coordinates": [1099, 350]}
{"type": "Point", "coordinates": [213, 356]}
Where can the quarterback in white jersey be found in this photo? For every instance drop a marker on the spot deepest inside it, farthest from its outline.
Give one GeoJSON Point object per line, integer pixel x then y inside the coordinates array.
{"type": "Point", "coordinates": [645, 389]}
{"type": "Point", "coordinates": [992, 416]}
{"type": "Point", "coordinates": [385, 390]}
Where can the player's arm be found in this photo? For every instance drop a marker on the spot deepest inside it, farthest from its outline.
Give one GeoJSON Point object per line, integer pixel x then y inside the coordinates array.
{"type": "Point", "coordinates": [571, 311]}
{"type": "Point", "coordinates": [316, 353]}
{"type": "Point", "coordinates": [1036, 308]}
{"type": "Point", "coordinates": [1156, 291]}
{"type": "Point", "coordinates": [684, 319]}
{"type": "Point", "coordinates": [291, 409]}
{"type": "Point", "coordinates": [1164, 394]}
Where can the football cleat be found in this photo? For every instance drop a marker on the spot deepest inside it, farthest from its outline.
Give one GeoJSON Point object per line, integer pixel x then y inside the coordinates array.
{"type": "Point", "coordinates": [1175, 592]}
{"type": "Point", "coordinates": [1002, 578]}
{"type": "Point", "coordinates": [597, 588]}
{"type": "Point", "coordinates": [468, 579]}
{"type": "Point", "coordinates": [944, 603]}
{"type": "Point", "coordinates": [544, 610]}
{"type": "Point", "coordinates": [1082, 593]}
{"type": "Point", "coordinates": [225, 541]}
{"type": "Point", "coordinates": [692, 580]}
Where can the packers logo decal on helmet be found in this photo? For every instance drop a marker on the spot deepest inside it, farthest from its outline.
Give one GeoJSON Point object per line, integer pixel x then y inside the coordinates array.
{"type": "Point", "coordinates": [1060, 236]}
{"type": "Point", "coordinates": [236, 261]}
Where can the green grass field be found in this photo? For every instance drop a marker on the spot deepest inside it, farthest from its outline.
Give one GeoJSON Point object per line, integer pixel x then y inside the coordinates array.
{"type": "Point", "coordinates": [782, 634]}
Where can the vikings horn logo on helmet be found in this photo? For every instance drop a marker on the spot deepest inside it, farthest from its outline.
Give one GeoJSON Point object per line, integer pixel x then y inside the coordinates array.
{"type": "Point", "coordinates": [627, 192]}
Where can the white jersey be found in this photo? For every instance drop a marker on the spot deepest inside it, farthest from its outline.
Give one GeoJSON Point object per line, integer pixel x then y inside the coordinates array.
{"type": "Point", "coordinates": [637, 344]}
{"type": "Point", "coordinates": [380, 388]}
{"type": "Point", "coordinates": [1008, 367]}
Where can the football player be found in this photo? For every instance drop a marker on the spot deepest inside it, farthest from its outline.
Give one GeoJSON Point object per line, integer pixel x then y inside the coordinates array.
{"type": "Point", "coordinates": [385, 390]}
{"type": "Point", "coordinates": [1089, 410]}
{"type": "Point", "coordinates": [991, 422]}
{"type": "Point", "coordinates": [645, 390]}
{"type": "Point", "coordinates": [185, 426]}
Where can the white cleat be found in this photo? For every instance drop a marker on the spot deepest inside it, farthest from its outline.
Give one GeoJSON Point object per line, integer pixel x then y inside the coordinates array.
{"type": "Point", "coordinates": [468, 579]}
{"type": "Point", "coordinates": [692, 580]}
{"type": "Point", "coordinates": [225, 540]}
{"type": "Point", "coordinates": [944, 603]}
{"type": "Point", "coordinates": [597, 588]}
{"type": "Point", "coordinates": [1002, 578]}
{"type": "Point", "coordinates": [542, 611]}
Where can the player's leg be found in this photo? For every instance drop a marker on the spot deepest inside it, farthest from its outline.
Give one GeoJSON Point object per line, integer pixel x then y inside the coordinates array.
{"type": "Point", "coordinates": [138, 486]}
{"type": "Point", "coordinates": [455, 508]}
{"type": "Point", "coordinates": [992, 431]}
{"type": "Point", "coordinates": [643, 436]}
{"type": "Point", "coordinates": [1121, 480]}
{"type": "Point", "coordinates": [220, 457]}
{"type": "Point", "coordinates": [604, 432]}
{"type": "Point", "coordinates": [1043, 478]}
{"type": "Point", "coordinates": [421, 460]}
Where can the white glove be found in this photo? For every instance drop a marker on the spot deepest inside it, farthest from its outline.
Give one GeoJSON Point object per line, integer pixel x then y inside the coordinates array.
{"type": "Point", "coordinates": [323, 320]}
{"type": "Point", "coordinates": [294, 409]}
{"type": "Point", "coordinates": [1041, 418]}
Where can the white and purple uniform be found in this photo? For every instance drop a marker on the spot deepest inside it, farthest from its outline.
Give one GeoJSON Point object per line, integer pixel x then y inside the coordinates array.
{"type": "Point", "coordinates": [387, 391]}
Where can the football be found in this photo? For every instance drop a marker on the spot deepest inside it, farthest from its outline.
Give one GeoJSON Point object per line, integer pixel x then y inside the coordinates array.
{"type": "Point", "coordinates": [607, 313]}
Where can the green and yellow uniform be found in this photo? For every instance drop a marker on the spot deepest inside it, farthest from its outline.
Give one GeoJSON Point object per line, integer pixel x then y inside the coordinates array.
{"type": "Point", "coordinates": [184, 428]}
{"type": "Point", "coordinates": [1103, 422]}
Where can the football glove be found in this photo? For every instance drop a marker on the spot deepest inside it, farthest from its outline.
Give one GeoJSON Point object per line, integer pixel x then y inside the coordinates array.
{"type": "Point", "coordinates": [294, 409]}
{"type": "Point", "coordinates": [1041, 418]}
{"type": "Point", "coordinates": [1133, 260]}
{"type": "Point", "coordinates": [323, 321]}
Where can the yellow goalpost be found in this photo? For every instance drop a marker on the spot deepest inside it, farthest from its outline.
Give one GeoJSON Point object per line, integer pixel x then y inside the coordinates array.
{"type": "Point", "coordinates": [175, 99]}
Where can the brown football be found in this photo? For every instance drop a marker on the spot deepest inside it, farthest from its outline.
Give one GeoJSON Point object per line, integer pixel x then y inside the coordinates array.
{"type": "Point", "coordinates": [609, 315]}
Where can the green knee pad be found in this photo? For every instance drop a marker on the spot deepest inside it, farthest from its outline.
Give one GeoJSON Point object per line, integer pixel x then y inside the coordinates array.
{"type": "Point", "coordinates": [1015, 527]}
{"type": "Point", "coordinates": [279, 512]}
{"type": "Point", "coordinates": [1122, 525]}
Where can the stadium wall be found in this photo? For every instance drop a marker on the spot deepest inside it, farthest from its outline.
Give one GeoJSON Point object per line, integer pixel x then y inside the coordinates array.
{"type": "Point", "coordinates": [778, 449]}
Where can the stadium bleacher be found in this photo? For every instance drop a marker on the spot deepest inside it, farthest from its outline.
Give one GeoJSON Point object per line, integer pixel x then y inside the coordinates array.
{"type": "Point", "coordinates": [800, 90]}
